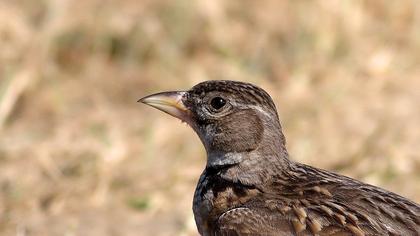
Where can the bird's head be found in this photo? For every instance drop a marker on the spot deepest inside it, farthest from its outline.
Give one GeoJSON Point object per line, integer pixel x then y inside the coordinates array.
{"type": "Point", "coordinates": [231, 118]}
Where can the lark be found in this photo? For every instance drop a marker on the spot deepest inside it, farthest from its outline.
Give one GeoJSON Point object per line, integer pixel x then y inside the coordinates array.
{"type": "Point", "coordinates": [250, 186]}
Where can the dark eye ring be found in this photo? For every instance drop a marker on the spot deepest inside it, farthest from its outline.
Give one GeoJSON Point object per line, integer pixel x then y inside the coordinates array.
{"type": "Point", "coordinates": [217, 103]}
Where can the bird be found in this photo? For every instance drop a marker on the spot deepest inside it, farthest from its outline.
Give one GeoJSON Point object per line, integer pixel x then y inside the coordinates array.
{"type": "Point", "coordinates": [250, 185]}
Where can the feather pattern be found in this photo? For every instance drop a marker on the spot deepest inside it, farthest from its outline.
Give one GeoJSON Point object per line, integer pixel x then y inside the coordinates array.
{"type": "Point", "coordinates": [322, 203]}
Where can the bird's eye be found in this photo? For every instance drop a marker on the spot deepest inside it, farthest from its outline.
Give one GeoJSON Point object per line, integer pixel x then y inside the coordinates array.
{"type": "Point", "coordinates": [217, 103]}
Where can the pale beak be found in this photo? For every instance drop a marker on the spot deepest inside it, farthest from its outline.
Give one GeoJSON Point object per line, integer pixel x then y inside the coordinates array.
{"type": "Point", "coordinates": [169, 102]}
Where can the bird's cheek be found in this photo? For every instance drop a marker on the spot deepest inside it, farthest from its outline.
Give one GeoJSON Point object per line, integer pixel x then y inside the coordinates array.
{"type": "Point", "coordinates": [238, 132]}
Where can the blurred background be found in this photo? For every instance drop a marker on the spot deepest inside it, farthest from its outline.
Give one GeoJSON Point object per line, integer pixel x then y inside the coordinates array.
{"type": "Point", "coordinates": [79, 156]}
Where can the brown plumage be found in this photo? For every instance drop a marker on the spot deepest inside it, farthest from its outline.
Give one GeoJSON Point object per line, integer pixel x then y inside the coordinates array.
{"type": "Point", "coordinates": [251, 187]}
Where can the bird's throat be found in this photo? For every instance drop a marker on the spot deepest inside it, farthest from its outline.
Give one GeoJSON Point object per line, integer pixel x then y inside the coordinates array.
{"type": "Point", "coordinates": [250, 168]}
{"type": "Point", "coordinates": [220, 160]}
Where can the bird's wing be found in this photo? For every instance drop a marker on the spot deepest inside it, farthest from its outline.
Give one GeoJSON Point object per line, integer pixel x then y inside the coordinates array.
{"type": "Point", "coordinates": [323, 215]}
{"type": "Point", "coordinates": [246, 222]}
{"type": "Point", "coordinates": [344, 204]}
{"type": "Point", "coordinates": [332, 206]}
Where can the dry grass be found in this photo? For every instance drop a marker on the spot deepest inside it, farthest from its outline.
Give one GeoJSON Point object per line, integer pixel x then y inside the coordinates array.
{"type": "Point", "coordinates": [78, 156]}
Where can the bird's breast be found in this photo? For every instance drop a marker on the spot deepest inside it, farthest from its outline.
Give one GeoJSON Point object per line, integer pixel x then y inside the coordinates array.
{"type": "Point", "coordinates": [215, 196]}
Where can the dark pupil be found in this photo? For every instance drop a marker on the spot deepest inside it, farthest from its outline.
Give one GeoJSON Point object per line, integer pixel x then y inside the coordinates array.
{"type": "Point", "coordinates": [217, 103]}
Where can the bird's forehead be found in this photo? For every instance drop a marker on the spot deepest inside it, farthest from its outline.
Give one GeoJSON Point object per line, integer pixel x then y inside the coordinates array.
{"type": "Point", "coordinates": [235, 89]}
{"type": "Point", "coordinates": [222, 86]}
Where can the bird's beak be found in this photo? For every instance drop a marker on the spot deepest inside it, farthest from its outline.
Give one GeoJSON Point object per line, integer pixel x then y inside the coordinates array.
{"type": "Point", "coordinates": [169, 102]}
